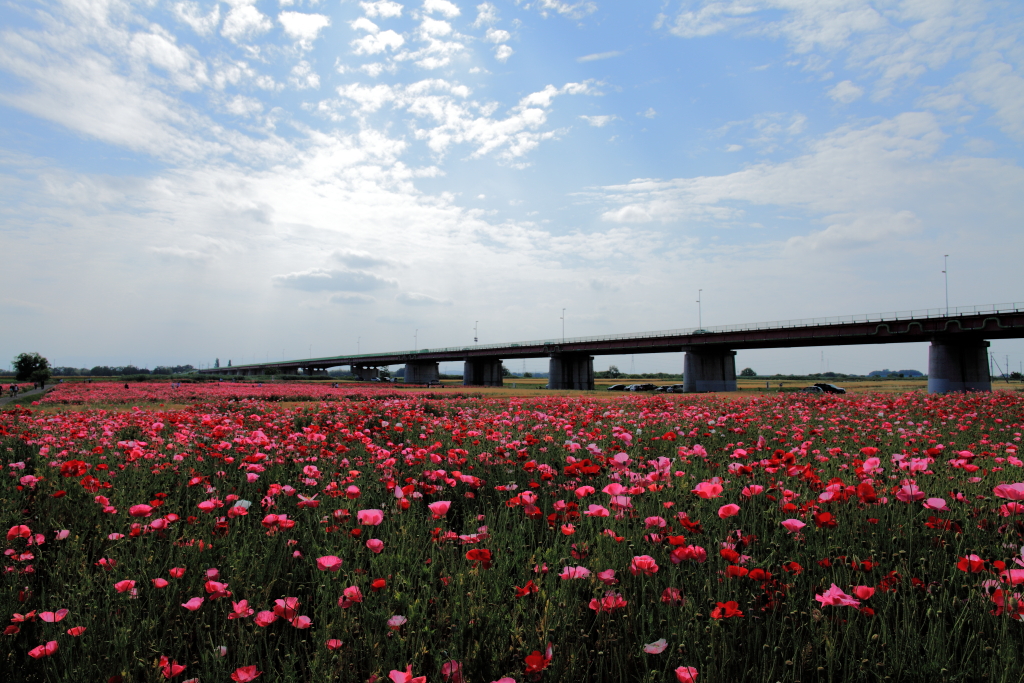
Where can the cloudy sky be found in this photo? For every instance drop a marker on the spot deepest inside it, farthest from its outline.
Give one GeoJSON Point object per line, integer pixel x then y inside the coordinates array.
{"type": "Point", "coordinates": [184, 180]}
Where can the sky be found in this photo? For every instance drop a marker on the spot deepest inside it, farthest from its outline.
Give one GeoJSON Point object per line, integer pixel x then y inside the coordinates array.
{"type": "Point", "coordinates": [187, 180]}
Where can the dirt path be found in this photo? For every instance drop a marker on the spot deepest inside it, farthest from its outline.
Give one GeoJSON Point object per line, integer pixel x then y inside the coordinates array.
{"type": "Point", "coordinates": [31, 392]}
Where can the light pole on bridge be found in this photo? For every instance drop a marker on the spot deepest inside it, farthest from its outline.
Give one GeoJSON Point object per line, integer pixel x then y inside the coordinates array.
{"type": "Point", "coordinates": [700, 316]}
{"type": "Point", "coordinates": [563, 325]}
{"type": "Point", "coordinates": [945, 276]}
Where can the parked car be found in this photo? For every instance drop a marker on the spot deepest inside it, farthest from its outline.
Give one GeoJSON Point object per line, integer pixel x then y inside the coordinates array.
{"type": "Point", "coordinates": [675, 389]}
{"type": "Point", "coordinates": [640, 387]}
{"type": "Point", "coordinates": [812, 390]}
{"type": "Point", "coordinates": [617, 387]}
{"type": "Point", "coordinates": [663, 388]}
{"type": "Point", "coordinates": [830, 388]}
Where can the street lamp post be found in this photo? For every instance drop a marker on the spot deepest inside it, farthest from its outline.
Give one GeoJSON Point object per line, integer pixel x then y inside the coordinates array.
{"type": "Point", "coordinates": [476, 337]}
{"type": "Point", "coordinates": [415, 339]}
{"type": "Point", "coordinates": [945, 276]}
{"type": "Point", "coordinates": [700, 315]}
{"type": "Point", "coordinates": [563, 325]}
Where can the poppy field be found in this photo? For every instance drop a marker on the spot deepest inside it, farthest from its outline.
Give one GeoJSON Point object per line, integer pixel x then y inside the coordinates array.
{"type": "Point", "coordinates": [455, 539]}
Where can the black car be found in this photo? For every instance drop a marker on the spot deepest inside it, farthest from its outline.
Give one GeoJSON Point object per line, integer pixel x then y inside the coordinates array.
{"type": "Point", "coordinates": [617, 387]}
{"type": "Point", "coordinates": [830, 388]}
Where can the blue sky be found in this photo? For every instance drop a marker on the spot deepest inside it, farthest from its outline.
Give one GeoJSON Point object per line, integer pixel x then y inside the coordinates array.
{"type": "Point", "coordinates": [183, 180]}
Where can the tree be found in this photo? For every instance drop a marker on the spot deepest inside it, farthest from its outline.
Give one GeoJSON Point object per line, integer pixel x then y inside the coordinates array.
{"type": "Point", "coordinates": [28, 363]}
{"type": "Point", "coordinates": [748, 372]}
{"type": "Point", "coordinates": [613, 371]}
{"type": "Point", "coordinates": [216, 363]}
{"type": "Point", "coordinates": [505, 371]}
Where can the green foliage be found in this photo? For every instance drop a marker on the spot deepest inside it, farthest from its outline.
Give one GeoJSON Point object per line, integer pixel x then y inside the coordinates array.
{"type": "Point", "coordinates": [748, 372]}
{"type": "Point", "coordinates": [27, 363]}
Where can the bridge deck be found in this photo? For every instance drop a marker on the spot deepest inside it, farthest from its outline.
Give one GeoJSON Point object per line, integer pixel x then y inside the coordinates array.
{"type": "Point", "coordinates": [999, 321]}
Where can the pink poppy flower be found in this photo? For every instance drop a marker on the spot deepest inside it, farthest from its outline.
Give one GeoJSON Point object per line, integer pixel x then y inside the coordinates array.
{"type": "Point", "coordinates": [193, 604]}
{"type": "Point", "coordinates": [451, 671]}
{"type": "Point", "coordinates": [244, 674]}
{"type": "Point", "coordinates": [333, 644]}
{"type": "Point", "coordinates": [370, 517]}
{"type": "Point", "coordinates": [643, 564]}
{"type": "Point", "coordinates": [405, 676]}
{"type": "Point", "coordinates": [160, 583]}
{"type": "Point", "coordinates": [287, 608]}
{"type": "Point", "coordinates": [240, 610]}
{"type": "Point", "coordinates": [177, 572]}
{"type": "Point", "coordinates": [574, 573]}
{"type": "Point", "coordinates": [597, 511]}
{"type": "Point", "coordinates": [730, 510]}
{"type": "Point", "coordinates": [62, 534]}
{"type": "Point", "coordinates": [584, 491]}
{"type": "Point", "coordinates": [707, 490]}
{"type": "Point", "coordinates": [836, 596]}
{"type": "Point", "coordinates": [863, 592]}
{"type": "Point", "coordinates": [439, 508]}
{"type": "Point", "coordinates": [170, 668]}
{"type": "Point", "coordinates": [43, 650]}
{"type": "Point", "coordinates": [302, 622]}
{"type": "Point", "coordinates": [76, 631]}
{"type": "Point", "coordinates": [140, 510]}
{"type": "Point", "coordinates": [935, 504]}
{"type": "Point", "coordinates": [124, 586]}
{"type": "Point", "coordinates": [1008, 491]}
{"type": "Point", "coordinates": [673, 597]}
{"type": "Point", "coordinates": [686, 674]}
{"type": "Point", "coordinates": [375, 544]}
{"type": "Point", "coordinates": [328, 563]}
{"type": "Point", "coordinates": [657, 647]}
{"type": "Point", "coordinates": [395, 622]}
{"type": "Point", "coordinates": [607, 577]}
{"type": "Point", "coordinates": [53, 617]}
{"type": "Point", "coordinates": [265, 618]}
{"type": "Point", "coordinates": [655, 523]}
{"type": "Point", "coordinates": [792, 525]}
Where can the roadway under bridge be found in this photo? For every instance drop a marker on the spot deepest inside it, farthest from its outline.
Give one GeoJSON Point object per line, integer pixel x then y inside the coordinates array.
{"type": "Point", "coordinates": [957, 359]}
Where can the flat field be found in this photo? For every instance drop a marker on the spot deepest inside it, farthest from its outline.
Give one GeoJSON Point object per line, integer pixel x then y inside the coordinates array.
{"type": "Point", "coordinates": [307, 534]}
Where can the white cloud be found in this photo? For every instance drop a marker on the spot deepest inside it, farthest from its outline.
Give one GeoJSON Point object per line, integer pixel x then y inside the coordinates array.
{"type": "Point", "coordinates": [382, 8]}
{"type": "Point", "coordinates": [435, 27]}
{"type": "Point", "coordinates": [497, 35]}
{"type": "Point", "coordinates": [443, 7]}
{"type": "Point", "coordinates": [376, 43]}
{"type": "Point", "coordinates": [845, 92]}
{"type": "Point", "coordinates": [503, 52]}
{"type": "Point", "coordinates": [245, 22]}
{"type": "Point", "coordinates": [191, 13]}
{"type": "Point", "coordinates": [859, 231]}
{"type": "Point", "coordinates": [159, 49]}
{"type": "Point", "coordinates": [486, 13]}
{"type": "Point", "coordinates": [303, 27]}
{"type": "Point", "coordinates": [575, 10]}
{"type": "Point", "coordinates": [734, 148]}
{"type": "Point", "coordinates": [650, 113]}
{"type": "Point", "coordinates": [347, 298]}
{"type": "Point", "coordinates": [321, 279]}
{"type": "Point", "coordinates": [417, 299]}
{"type": "Point", "coordinates": [364, 24]}
{"type": "Point", "coordinates": [599, 121]}
{"type": "Point", "coordinates": [598, 55]}
{"type": "Point", "coordinates": [239, 105]}
{"type": "Point", "coordinates": [303, 77]}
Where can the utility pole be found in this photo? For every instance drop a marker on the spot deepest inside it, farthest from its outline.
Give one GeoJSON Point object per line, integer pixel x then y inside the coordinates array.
{"type": "Point", "coordinates": [475, 336]}
{"type": "Point", "coordinates": [700, 316]}
{"type": "Point", "coordinates": [563, 325]}
{"type": "Point", "coordinates": [358, 342]}
{"type": "Point", "coordinates": [415, 338]}
{"type": "Point", "coordinates": [945, 275]}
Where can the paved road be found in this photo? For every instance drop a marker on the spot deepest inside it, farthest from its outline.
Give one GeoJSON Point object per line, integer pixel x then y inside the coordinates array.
{"type": "Point", "coordinates": [31, 392]}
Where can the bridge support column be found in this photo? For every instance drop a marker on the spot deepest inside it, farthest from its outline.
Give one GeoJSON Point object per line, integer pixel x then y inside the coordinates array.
{"type": "Point", "coordinates": [421, 373]}
{"type": "Point", "coordinates": [571, 371]}
{"type": "Point", "coordinates": [958, 367]}
{"type": "Point", "coordinates": [482, 372]}
{"type": "Point", "coordinates": [365, 373]}
{"type": "Point", "coordinates": [709, 370]}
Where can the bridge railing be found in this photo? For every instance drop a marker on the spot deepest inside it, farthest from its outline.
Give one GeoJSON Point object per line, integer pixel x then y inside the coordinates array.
{"type": "Point", "coordinates": [744, 327]}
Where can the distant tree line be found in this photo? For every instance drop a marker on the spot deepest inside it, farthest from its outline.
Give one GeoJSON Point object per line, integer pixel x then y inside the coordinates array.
{"type": "Point", "coordinates": [120, 370]}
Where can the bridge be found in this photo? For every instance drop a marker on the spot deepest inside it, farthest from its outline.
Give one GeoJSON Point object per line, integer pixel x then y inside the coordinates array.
{"type": "Point", "coordinates": [957, 357]}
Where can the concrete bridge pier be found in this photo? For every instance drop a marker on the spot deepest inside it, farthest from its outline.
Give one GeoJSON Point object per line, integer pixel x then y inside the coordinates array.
{"type": "Point", "coordinates": [482, 372]}
{"type": "Point", "coordinates": [422, 372]}
{"type": "Point", "coordinates": [709, 370]}
{"type": "Point", "coordinates": [365, 373]}
{"type": "Point", "coordinates": [571, 371]}
{"type": "Point", "coordinates": [958, 366]}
